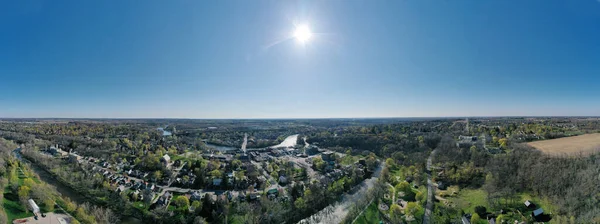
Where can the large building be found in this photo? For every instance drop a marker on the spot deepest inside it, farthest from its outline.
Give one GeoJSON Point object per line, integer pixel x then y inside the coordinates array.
{"type": "Point", "coordinates": [327, 156]}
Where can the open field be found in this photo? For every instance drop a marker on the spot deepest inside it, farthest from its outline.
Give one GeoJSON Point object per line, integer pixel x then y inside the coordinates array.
{"type": "Point", "coordinates": [468, 199]}
{"type": "Point", "coordinates": [584, 144]}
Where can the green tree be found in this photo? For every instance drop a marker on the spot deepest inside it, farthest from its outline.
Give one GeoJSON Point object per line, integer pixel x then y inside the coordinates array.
{"type": "Point", "coordinates": [396, 213]}
{"type": "Point", "coordinates": [28, 182]}
{"type": "Point", "coordinates": [157, 174]}
{"type": "Point", "coordinates": [197, 205]}
{"type": "Point", "coordinates": [236, 164]}
{"type": "Point", "coordinates": [319, 163]}
{"type": "Point", "coordinates": [371, 161]}
{"type": "Point", "coordinates": [23, 192]}
{"type": "Point", "coordinates": [404, 187]}
{"type": "Point", "coordinates": [500, 219]}
{"type": "Point", "coordinates": [414, 209]}
{"type": "Point", "coordinates": [475, 219]}
{"type": "Point", "coordinates": [70, 206]}
{"type": "Point", "coordinates": [503, 142]}
{"type": "Point", "coordinates": [49, 205]}
{"type": "Point", "coordinates": [215, 173]}
{"type": "Point", "coordinates": [182, 202]}
{"type": "Point", "coordinates": [390, 163]}
{"type": "Point", "coordinates": [420, 197]}
{"type": "Point", "coordinates": [299, 203]}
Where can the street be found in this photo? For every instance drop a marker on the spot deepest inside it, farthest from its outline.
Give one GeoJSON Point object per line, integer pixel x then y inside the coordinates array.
{"type": "Point", "coordinates": [430, 193]}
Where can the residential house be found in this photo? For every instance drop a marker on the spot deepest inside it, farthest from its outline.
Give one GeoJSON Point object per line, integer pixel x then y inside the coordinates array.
{"type": "Point", "coordinates": [244, 158]}
{"type": "Point", "coordinates": [466, 141]}
{"type": "Point", "coordinates": [465, 219]}
{"type": "Point", "coordinates": [537, 212]}
{"type": "Point", "coordinates": [217, 182]}
{"type": "Point", "coordinates": [529, 204]}
{"type": "Point", "coordinates": [74, 158]}
{"type": "Point", "coordinates": [327, 156]}
{"type": "Point", "coordinates": [283, 180]}
{"type": "Point", "coordinates": [196, 196]}
{"type": "Point", "coordinates": [166, 159]}
{"type": "Point", "coordinates": [120, 189]}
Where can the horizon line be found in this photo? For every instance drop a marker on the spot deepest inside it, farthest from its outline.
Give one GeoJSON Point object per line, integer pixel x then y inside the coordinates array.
{"type": "Point", "coordinates": [296, 118]}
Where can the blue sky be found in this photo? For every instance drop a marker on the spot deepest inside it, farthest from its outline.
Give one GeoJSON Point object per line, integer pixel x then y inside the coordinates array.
{"type": "Point", "coordinates": [234, 59]}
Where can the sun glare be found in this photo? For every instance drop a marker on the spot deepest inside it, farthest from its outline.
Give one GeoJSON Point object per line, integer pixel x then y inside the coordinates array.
{"type": "Point", "coordinates": [302, 33]}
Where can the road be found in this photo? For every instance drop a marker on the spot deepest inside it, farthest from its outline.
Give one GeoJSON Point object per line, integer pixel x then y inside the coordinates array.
{"type": "Point", "coordinates": [336, 212]}
{"type": "Point", "coordinates": [430, 193]}
{"type": "Point", "coordinates": [184, 190]}
{"type": "Point", "coordinates": [245, 142]}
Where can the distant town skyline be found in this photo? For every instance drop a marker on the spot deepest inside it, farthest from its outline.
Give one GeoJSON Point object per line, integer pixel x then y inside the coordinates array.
{"type": "Point", "coordinates": [299, 59]}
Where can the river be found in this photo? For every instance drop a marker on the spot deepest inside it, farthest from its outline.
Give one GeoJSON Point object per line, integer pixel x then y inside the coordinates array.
{"type": "Point", "coordinates": [165, 133]}
{"type": "Point", "coordinates": [220, 147]}
{"type": "Point", "coordinates": [288, 142]}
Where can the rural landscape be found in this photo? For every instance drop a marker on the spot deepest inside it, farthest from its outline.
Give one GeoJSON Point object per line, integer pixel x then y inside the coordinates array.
{"type": "Point", "coordinates": [429, 170]}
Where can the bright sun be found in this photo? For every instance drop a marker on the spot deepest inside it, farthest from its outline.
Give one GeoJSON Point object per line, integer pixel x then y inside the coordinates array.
{"type": "Point", "coordinates": [302, 33]}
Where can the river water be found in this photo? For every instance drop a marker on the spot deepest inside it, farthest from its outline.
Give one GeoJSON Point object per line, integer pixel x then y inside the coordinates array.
{"type": "Point", "coordinates": [165, 133]}
{"type": "Point", "coordinates": [289, 141]}
{"type": "Point", "coordinates": [220, 147]}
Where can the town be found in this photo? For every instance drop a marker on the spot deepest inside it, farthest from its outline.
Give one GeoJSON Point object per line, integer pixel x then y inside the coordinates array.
{"type": "Point", "coordinates": [236, 174]}
{"type": "Point", "coordinates": [312, 171]}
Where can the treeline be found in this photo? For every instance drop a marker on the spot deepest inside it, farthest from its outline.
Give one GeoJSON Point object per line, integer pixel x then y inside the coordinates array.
{"type": "Point", "coordinates": [407, 143]}
{"type": "Point", "coordinates": [571, 182]}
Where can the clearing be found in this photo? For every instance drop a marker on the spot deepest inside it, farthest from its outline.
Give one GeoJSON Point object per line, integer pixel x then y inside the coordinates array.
{"type": "Point", "coordinates": [584, 144]}
{"type": "Point", "coordinates": [468, 199]}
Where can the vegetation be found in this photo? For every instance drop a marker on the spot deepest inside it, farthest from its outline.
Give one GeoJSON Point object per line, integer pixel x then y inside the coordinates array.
{"type": "Point", "coordinates": [481, 167]}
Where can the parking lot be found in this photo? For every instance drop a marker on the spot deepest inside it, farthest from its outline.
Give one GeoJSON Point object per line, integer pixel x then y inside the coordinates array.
{"type": "Point", "coordinates": [51, 218]}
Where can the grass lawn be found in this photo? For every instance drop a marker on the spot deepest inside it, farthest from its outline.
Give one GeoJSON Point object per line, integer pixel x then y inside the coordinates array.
{"type": "Point", "coordinates": [349, 160]}
{"type": "Point", "coordinates": [11, 203]}
{"type": "Point", "coordinates": [140, 205]}
{"type": "Point", "coordinates": [539, 202]}
{"type": "Point", "coordinates": [171, 208]}
{"type": "Point", "coordinates": [467, 199]}
{"type": "Point", "coordinates": [13, 209]}
{"type": "Point", "coordinates": [396, 172]}
{"type": "Point", "coordinates": [370, 215]}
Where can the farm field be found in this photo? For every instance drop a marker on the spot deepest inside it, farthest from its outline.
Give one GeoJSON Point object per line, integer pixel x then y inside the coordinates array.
{"type": "Point", "coordinates": [584, 144]}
